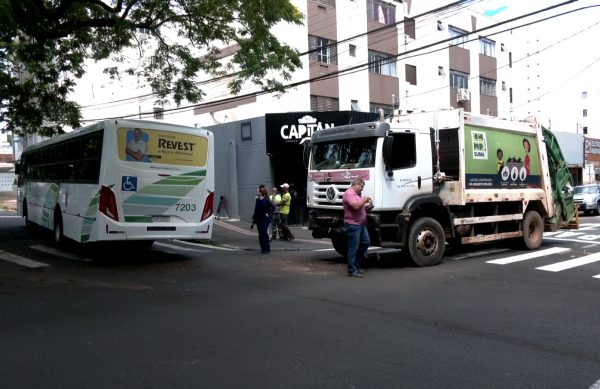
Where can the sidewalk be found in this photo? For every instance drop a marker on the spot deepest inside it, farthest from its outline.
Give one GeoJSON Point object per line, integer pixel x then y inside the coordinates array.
{"type": "Point", "coordinates": [237, 234]}
{"type": "Point", "coordinates": [8, 201]}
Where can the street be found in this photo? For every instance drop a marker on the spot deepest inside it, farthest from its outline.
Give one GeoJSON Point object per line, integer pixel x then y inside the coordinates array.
{"type": "Point", "coordinates": [188, 316]}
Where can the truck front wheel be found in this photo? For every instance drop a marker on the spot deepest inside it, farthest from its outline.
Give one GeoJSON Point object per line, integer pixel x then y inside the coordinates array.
{"type": "Point", "coordinates": [426, 242]}
{"type": "Point", "coordinates": [340, 244]}
{"type": "Point", "coordinates": [533, 230]}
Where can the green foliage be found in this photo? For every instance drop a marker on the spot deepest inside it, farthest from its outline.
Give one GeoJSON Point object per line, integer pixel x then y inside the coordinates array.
{"type": "Point", "coordinates": [44, 45]}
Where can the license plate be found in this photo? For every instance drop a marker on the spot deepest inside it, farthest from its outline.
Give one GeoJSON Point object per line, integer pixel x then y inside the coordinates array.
{"type": "Point", "coordinates": [161, 219]}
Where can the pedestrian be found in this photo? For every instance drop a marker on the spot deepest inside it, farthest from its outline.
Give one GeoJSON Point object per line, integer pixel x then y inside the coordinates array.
{"type": "Point", "coordinates": [276, 220]}
{"type": "Point", "coordinates": [263, 208]}
{"type": "Point", "coordinates": [284, 214]}
{"type": "Point", "coordinates": [355, 226]}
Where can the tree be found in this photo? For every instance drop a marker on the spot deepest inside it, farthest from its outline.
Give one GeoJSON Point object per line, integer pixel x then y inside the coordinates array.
{"type": "Point", "coordinates": [44, 45]}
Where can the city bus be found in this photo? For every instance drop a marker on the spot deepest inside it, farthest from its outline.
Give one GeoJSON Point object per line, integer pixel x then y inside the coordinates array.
{"type": "Point", "coordinates": [120, 180]}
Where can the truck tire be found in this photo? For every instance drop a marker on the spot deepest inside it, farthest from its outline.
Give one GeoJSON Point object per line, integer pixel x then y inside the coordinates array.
{"type": "Point", "coordinates": [426, 242]}
{"type": "Point", "coordinates": [340, 244]}
{"type": "Point", "coordinates": [533, 230]}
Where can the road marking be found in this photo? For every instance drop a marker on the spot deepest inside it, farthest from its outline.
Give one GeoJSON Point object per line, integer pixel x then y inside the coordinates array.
{"type": "Point", "coordinates": [10, 217]}
{"type": "Point", "coordinates": [199, 245]}
{"type": "Point", "coordinates": [571, 263]}
{"type": "Point", "coordinates": [595, 385]}
{"type": "Point", "coordinates": [475, 254]}
{"type": "Point", "coordinates": [180, 248]}
{"type": "Point", "coordinates": [51, 250]}
{"type": "Point", "coordinates": [21, 260]}
{"type": "Point", "coordinates": [597, 276]}
{"type": "Point", "coordinates": [524, 257]}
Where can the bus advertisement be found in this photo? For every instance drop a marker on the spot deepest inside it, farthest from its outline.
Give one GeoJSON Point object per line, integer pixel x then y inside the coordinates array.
{"type": "Point", "coordinates": [120, 180]}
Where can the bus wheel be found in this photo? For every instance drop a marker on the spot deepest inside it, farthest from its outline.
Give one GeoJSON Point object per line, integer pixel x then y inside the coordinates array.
{"type": "Point", "coordinates": [340, 244]}
{"type": "Point", "coordinates": [426, 242]}
{"type": "Point", "coordinates": [533, 230]}
{"type": "Point", "coordinates": [28, 223]}
{"type": "Point", "coordinates": [58, 229]}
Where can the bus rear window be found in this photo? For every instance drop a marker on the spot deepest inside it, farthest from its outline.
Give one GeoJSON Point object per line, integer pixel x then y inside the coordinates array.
{"type": "Point", "coordinates": [164, 147]}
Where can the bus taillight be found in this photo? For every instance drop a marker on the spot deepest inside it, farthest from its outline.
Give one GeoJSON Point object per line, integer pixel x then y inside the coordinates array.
{"type": "Point", "coordinates": [108, 203]}
{"type": "Point", "coordinates": [208, 206]}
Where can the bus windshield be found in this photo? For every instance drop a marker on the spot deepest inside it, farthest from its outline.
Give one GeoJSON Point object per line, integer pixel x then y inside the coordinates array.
{"type": "Point", "coordinates": [344, 154]}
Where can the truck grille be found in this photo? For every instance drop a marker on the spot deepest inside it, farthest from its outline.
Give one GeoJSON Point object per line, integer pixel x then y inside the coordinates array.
{"type": "Point", "coordinates": [329, 193]}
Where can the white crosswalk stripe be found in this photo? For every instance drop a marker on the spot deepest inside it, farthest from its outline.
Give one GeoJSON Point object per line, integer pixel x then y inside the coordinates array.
{"type": "Point", "coordinates": [531, 255]}
{"type": "Point", "coordinates": [571, 263]}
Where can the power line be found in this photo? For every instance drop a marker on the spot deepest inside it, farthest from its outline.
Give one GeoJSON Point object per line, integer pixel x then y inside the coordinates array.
{"type": "Point", "coordinates": [361, 66]}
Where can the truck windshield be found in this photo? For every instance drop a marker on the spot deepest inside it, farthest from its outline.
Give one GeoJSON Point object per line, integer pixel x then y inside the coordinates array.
{"type": "Point", "coordinates": [344, 154]}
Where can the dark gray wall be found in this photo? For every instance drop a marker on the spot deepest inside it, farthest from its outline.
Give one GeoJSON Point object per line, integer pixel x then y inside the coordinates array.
{"type": "Point", "coordinates": [240, 166]}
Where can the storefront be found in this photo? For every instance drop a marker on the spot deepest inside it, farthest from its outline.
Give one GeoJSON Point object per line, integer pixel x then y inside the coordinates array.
{"type": "Point", "coordinates": [268, 150]}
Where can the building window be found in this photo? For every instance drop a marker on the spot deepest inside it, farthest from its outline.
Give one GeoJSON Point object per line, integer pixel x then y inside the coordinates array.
{"type": "Point", "coordinates": [459, 80]}
{"type": "Point", "coordinates": [322, 50]}
{"type": "Point", "coordinates": [246, 130]}
{"type": "Point", "coordinates": [503, 85]}
{"type": "Point", "coordinates": [388, 110]}
{"type": "Point", "coordinates": [487, 86]}
{"type": "Point", "coordinates": [352, 50]}
{"type": "Point", "coordinates": [158, 113]}
{"type": "Point", "coordinates": [584, 95]}
{"type": "Point", "coordinates": [382, 63]}
{"type": "Point", "coordinates": [510, 95]}
{"type": "Point", "coordinates": [585, 113]}
{"type": "Point", "coordinates": [381, 12]}
{"type": "Point", "coordinates": [409, 28]}
{"type": "Point", "coordinates": [354, 105]}
{"type": "Point", "coordinates": [410, 72]}
{"type": "Point", "coordinates": [330, 3]}
{"type": "Point", "coordinates": [487, 47]}
{"type": "Point", "coordinates": [510, 60]}
{"type": "Point", "coordinates": [323, 103]}
{"type": "Point", "coordinates": [459, 37]}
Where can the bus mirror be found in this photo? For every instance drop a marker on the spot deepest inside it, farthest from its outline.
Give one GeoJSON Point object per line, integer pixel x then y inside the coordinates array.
{"type": "Point", "coordinates": [388, 146]}
{"type": "Point", "coordinates": [17, 168]}
{"type": "Point", "coordinates": [306, 151]}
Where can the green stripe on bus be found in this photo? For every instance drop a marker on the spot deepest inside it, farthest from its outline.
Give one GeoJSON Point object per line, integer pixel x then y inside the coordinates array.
{"type": "Point", "coordinates": [165, 190]}
{"type": "Point", "coordinates": [140, 199]}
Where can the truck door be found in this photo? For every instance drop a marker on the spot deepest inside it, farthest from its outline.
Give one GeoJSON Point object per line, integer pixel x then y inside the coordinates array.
{"type": "Point", "coordinates": [408, 169]}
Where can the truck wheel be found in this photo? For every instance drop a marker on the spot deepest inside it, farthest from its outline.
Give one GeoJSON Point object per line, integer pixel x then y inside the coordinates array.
{"type": "Point", "coordinates": [533, 230]}
{"type": "Point", "coordinates": [426, 242]}
{"type": "Point", "coordinates": [340, 244]}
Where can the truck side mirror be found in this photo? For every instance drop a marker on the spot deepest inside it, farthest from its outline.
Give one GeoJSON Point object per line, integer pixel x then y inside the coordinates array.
{"type": "Point", "coordinates": [388, 147]}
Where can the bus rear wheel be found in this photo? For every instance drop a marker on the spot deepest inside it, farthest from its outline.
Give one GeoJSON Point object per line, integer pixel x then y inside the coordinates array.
{"type": "Point", "coordinates": [28, 223]}
{"type": "Point", "coordinates": [58, 229]}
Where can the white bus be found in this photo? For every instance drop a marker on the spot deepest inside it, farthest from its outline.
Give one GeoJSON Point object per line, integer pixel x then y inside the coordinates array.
{"type": "Point", "coordinates": [120, 180]}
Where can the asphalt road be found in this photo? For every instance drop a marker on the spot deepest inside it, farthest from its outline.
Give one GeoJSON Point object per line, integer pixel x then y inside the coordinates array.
{"type": "Point", "coordinates": [187, 316]}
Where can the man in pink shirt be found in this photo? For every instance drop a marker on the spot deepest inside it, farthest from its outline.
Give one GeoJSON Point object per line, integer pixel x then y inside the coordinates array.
{"type": "Point", "coordinates": [355, 226]}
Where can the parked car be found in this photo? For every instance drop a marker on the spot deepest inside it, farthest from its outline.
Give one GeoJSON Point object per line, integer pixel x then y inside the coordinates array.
{"type": "Point", "coordinates": [587, 197]}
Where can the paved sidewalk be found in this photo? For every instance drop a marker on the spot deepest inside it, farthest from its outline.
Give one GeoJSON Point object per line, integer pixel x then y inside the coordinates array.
{"type": "Point", "coordinates": [238, 234]}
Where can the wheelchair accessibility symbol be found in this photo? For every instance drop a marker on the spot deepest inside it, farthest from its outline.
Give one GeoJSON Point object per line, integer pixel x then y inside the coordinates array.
{"type": "Point", "coordinates": [129, 183]}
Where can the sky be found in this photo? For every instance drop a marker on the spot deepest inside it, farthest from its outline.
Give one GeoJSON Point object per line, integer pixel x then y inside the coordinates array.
{"type": "Point", "coordinates": [569, 61]}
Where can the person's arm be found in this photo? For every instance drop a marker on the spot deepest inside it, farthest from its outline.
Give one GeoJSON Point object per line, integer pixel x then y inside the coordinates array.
{"type": "Point", "coordinates": [360, 203]}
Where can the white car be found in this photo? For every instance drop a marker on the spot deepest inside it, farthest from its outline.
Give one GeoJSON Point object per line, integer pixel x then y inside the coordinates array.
{"type": "Point", "coordinates": [587, 197]}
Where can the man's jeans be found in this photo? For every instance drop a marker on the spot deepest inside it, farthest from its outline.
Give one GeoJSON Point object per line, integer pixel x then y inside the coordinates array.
{"type": "Point", "coordinates": [358, 243]}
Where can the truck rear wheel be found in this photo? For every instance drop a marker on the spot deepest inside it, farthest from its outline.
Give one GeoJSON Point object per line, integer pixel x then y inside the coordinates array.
{"type": "Point", "coordinates": [426, 242]}
{"type": "Point", "coordinates": [533, 230]}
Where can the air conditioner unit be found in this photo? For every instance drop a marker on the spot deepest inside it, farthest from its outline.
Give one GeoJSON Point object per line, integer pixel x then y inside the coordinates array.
{"type": "Point", "coordinates": [463, 95]}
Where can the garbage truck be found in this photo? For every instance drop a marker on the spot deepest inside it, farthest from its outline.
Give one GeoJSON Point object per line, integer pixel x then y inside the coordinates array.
{"type": "Point", "coordinates": [440, 178]}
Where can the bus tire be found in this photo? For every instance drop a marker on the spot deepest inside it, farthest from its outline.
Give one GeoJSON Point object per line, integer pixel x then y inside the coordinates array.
{"type": "Point", "coordinates": [28, 223]}
{"type": "Point", "coordinates": [426, 242]}
{"type": "Point", "coordinates": [58, 229]}
{"type": "Point", "coordinates": [340, 244]}
{"type": "Point", "coordinates": [533, 230]}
